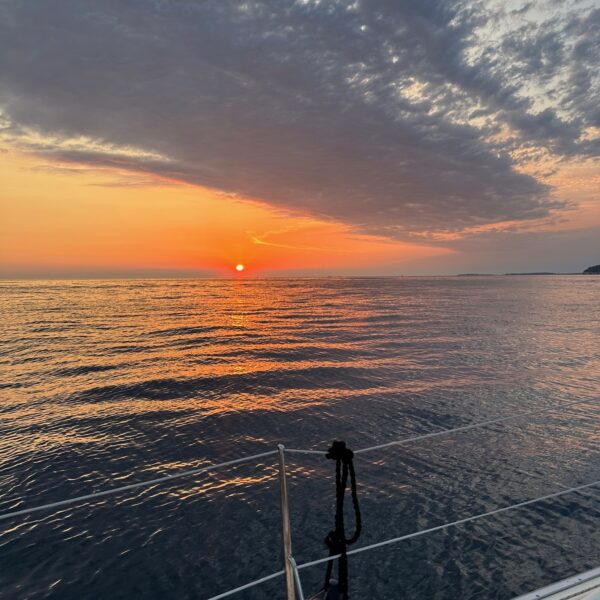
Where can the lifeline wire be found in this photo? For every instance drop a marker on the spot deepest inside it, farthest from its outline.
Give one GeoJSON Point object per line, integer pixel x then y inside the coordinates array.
{"type": "Point", "coordinates": [132, 486]}
{"type": "Point", "coordinates": [415, 534]}
{"type": "Point", "coordinates": [411, 535]}
{"type": "Point", "coordinates": [433, 434]}
{"type": "Point", "coordinates": [211, 467]}
{"type": "Point", "coordinates": [141, 484]}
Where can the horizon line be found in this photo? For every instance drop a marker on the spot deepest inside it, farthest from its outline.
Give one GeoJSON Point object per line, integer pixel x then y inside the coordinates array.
{"type": "Point", "coordinates": [256, 278]}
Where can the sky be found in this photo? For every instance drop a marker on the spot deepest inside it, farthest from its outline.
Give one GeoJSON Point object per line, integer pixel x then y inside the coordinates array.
{"type": "Point", "coordinates": [306, 137]}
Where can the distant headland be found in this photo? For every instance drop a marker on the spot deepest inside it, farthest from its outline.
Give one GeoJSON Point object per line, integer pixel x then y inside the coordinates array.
{"type": "Point", "coordinates": [595, 270]}
{"type": "Point", "coordinates": [534, 273]}
{"type": "Point", "coordinates": [497, 275]}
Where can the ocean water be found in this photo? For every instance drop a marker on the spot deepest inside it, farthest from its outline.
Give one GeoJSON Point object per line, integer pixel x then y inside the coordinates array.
{"type": "Point", "coordinates": [104, 383]}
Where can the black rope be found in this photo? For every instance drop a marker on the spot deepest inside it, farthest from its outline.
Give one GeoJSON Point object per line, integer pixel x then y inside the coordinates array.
{"type": "Point", "coordinates": [336, 540]}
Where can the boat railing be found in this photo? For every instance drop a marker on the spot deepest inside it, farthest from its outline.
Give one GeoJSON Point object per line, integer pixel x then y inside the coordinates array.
{"type": "Point", "coordinates": [291, 569]}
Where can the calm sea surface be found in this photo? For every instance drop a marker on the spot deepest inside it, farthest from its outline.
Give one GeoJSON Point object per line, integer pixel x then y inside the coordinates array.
{"type": "Point", "coordinates": [106, 383]}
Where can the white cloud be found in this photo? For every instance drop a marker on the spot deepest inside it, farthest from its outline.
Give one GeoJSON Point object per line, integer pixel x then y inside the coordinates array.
{"type": "Point", "coordinates": [385, 116]}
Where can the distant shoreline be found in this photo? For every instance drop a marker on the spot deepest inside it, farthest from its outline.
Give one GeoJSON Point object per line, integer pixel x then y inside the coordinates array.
{"type": "Point", "coordinates": [273, 277]}
{"type": "Point", "coordinates": [512, 274]}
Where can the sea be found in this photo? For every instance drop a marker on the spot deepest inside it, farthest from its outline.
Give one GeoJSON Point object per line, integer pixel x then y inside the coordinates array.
{"type": "Point", "coordinates": [111, 382]}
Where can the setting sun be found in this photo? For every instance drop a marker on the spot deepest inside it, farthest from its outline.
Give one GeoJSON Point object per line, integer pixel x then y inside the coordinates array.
{"type": "Point", "coordinates": [415, 187]}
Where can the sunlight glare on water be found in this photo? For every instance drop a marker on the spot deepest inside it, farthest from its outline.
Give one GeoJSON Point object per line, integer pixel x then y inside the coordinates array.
{"type": "Point", "coordinates": [109, 382]}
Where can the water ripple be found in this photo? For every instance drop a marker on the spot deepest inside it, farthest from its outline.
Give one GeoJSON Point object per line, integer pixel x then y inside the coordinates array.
{"type": "Point", "coordinates": [109, 382]}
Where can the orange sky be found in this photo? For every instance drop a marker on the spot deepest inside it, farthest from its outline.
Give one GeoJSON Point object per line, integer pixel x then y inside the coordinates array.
{"type": "Point", "coordinates": [481, 158]}
{"type": "Point", "coordinates": [62, 219]}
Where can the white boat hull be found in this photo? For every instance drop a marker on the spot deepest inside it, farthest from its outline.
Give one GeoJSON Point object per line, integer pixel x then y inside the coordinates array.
{"type": "Point", "coordinates": [585, 586]}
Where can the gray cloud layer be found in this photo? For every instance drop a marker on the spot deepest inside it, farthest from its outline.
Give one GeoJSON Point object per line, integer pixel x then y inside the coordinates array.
{"type": "Point", "coordinates": [379, 113]}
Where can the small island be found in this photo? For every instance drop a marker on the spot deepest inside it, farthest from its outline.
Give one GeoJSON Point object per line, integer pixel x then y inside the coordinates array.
{"type": "Point", "coordinates": [595, 270]}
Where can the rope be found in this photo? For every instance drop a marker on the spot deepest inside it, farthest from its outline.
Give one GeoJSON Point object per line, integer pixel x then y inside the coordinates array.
{"type": "Point", "coordinates": [132, 486]}
{"type": "Point", "coordinates": [433, 434]}
{"type": "Point", "coordinates": [452, 524]}
{"type": "Point", "coordinates": [336, 540]}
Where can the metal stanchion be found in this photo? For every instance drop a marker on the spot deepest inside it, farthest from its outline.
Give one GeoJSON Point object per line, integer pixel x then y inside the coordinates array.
{"type": "Point", "coordinates": [297, 579]}
{"type": "Point", "coordinates": [285, 526]}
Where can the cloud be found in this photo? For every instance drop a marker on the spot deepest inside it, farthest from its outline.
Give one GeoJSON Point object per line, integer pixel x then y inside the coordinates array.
{"type": "Point", "coordinates": [383, 114]}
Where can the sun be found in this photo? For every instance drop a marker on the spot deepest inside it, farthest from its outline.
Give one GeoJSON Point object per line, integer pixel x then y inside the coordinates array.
{"type": "Point", "coordinates": [239, 267]}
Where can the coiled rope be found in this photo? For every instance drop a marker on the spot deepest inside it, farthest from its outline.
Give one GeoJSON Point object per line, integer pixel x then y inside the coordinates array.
{"type": "Point", "coordinates": [336, 540]}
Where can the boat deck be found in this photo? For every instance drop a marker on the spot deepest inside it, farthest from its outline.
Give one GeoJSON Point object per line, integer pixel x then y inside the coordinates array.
{"type": "Point", "coordinates": [585, 586]}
